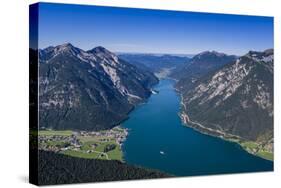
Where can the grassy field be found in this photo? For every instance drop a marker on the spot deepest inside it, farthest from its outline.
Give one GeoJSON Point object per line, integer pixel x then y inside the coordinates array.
{"type": "Point", "coordinates": [55, 133]}
{"type": "Point", "coordinates": [81, 154]}
{"type": "Point", "coordinates": [92, 146]}
{"type": "Point", "coordinates": [115, 154]}
{"type": "Point", "coordinates": [265, 155]}
{"type": "Point", "coordinates": [249, 145]}
{"type": "Point", "coordinates": [256, 149]}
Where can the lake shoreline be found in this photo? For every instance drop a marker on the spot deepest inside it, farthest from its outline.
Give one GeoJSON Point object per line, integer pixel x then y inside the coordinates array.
{"type": "Point", "coordinates": [157, 139]}
{"type": "Point", "coordinates": [205, 130]}
{"type": "Point", "coordinates": [219, 134]}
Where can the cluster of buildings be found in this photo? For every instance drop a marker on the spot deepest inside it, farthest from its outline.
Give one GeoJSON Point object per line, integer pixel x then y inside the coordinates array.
{"type": "Point", "coordinates": [58, 143]}
{"type": "Point", "coordinates": [117, 133]}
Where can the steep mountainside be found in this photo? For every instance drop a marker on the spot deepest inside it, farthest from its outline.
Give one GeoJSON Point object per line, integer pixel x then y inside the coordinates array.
{"type": "Point", "coordinates": [156, 63]}
{"type": "Point", "coordinates": [88, 90]}
{"type": "Point", "coordinates": [33, 93]}
{"type": "Point", "coordinates": [60, 169]}
{"type": "Point", "coordinates": [235, 101]}
{"type": "Point", "coordinates": [201, 64]}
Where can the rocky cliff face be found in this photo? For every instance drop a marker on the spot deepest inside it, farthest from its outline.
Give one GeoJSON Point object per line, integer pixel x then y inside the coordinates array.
{"type": "Point", "coordinates": [234, 101]}
{"type": "Point", "coordinates": [88, 90]}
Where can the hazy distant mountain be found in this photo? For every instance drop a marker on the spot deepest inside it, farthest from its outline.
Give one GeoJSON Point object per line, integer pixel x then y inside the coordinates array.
{"type": "Point", "coordinates": [236, 99]}
{"type": "Point", "coordinates": [200, 64]}
{"type": "Point", "coordinates": [88, 90]}
{"type": "Point", "coordinates": [154, 62]}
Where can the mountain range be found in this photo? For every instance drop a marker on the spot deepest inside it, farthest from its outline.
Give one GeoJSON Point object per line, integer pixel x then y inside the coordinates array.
{"type": "Point", "coordinates": [233, 101]}
{"type": "Point", "coordinates": [164, 63]}
{"type": "Point", "coordinates": [200, 64]}
{"type": "Point", "coordinates": [222, 95]}
{"type": "Point", "coordinates": [88, 90]}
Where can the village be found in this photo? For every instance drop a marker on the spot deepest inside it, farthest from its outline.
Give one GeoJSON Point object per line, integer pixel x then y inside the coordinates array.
{"type": "Point", "coordinates": [105, 144]}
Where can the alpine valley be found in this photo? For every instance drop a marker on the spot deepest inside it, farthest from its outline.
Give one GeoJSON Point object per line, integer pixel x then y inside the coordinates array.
{"type": "Point", "coordinates": [163, 65]}
{"type": "Point", "coordinates": [120, 93]}
{"type": "Point", "coordinates": [90, 112]}
{"type": "Point", "coordinates": [221, 95]}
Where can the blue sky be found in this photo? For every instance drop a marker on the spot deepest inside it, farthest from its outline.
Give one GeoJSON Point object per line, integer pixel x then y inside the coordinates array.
{"type": "Point", "coordinates": [152, 31]}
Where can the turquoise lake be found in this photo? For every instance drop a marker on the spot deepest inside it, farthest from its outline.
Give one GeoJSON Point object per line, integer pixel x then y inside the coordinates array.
{"type": "Point", "coordinates": [155, 126]}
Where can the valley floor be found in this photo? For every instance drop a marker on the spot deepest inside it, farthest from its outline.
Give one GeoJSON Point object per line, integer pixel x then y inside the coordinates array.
{"type": "Point", "coordinates": [104, 144]}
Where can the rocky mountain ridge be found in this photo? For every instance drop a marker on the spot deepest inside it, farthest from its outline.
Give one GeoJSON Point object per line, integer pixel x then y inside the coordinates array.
{"type": "Point", "coordinates": [200, 64]}
{"type": "Point", "coordinates": [235, 101]}
{"type": "Point", "coordinates": [88, 90]}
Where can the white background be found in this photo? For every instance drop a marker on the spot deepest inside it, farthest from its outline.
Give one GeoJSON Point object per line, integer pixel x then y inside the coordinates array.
{"type": "Point", "coordinates": [14, 91]}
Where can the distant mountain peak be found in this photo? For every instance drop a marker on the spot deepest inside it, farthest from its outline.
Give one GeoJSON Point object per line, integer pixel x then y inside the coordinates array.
{"type": "Point", "coordinates": [201, 64]}
{"type": "Point", "coordinates": [218, 53]}
{"type": "Point", "coordinates": [212, 57]}
{"type": "Point", "coordinates": [99, 52]}
{"type": "Point", "coordinates": [66, 47]}
{"type": "Point", "coordinates": [208, 53]}
{"type": "Point", "coordinates": [67, 44]}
